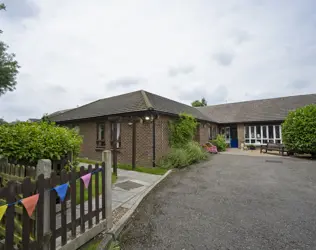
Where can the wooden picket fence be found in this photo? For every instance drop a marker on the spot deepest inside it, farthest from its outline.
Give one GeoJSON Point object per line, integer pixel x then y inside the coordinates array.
{"type": "Point", "coordinates": [31, 232]}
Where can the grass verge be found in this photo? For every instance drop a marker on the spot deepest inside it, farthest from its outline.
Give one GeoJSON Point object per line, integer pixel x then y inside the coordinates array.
{"type": "Point", "coordinates": [147, 170]}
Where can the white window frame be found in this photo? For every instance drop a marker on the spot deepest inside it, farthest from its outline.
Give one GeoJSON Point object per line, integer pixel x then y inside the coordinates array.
{"type": "Point", "coordinates": [254, 138]}
{"type": "Point", "coordinates": [118, 133]}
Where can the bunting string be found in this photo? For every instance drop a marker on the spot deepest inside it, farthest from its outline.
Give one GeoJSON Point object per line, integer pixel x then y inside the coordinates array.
{"type": "Point", "coordinates": [30, 202]}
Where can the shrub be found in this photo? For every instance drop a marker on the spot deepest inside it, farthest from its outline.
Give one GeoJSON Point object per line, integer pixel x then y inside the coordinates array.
{"type": "Point", "coordinates": [184, 156]}
{"type": "Point", "coordinates": [220, 143]}
{"type": "Point", "coordinates": [299, 130]}
{"type": "Point", "coordinates": [182, 130]}
{"type": "Point", "coordinates": [252, 147]}
{"type": "Point", "coordinates": [195, 152]}
{"type": "Point", "coordinates": [33, 141]}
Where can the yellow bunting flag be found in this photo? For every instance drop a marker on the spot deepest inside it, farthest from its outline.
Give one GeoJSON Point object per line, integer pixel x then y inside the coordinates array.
{"type": "Point", "coordinates": [2, 210]}
{"type": "Point", "coordinates": [30, 203]}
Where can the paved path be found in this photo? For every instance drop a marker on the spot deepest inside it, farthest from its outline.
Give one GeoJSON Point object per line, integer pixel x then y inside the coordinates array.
{"type": "Point", "coordinates": [231, 202]}
{"type": "Point", "coordinates": [125, 192]}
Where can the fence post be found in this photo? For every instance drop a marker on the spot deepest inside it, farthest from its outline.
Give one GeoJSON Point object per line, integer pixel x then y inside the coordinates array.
{"type": "Point", "coordinates": [107, 158]}
{"type": "Point", "coordinates": [44, 166]}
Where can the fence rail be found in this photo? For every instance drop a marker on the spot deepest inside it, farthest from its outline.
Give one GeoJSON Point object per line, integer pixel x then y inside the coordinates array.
{"type": "Point", "coordinates": [54, 222]}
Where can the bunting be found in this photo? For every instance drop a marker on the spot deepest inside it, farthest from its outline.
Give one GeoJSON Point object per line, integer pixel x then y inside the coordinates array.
{"type": "Point", "coordinates": [30, 202]}
{"type": "Point", "coordinates": [62, 191]}
{"type": "Point", "coordinates": [86, 179]}
{"type": "Point", "coordinates": [2, 210]}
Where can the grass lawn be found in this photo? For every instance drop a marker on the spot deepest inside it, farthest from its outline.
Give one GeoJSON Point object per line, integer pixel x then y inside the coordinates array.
{"type": "Point", "coordinates": [148, 170]}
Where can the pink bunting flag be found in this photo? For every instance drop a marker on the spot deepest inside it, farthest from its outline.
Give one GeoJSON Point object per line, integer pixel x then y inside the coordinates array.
{"type": "Point", "coordinates": [30, 203]}
{"type": "Point", "coordinates": [86, 179]}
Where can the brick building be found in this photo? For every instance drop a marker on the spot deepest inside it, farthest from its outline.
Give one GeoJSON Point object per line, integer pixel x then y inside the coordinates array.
{"type": "Point", "coordinates": [116, 117]}
{"type": "Point", "coordinates": [141, 119]}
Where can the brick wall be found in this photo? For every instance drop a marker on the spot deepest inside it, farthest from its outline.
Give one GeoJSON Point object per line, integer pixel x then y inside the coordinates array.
{"type": "Point", "coordinates": [204, 133]}
{"type": "Point", "coordinates": [162, 137]}
{"type": "Point", "coordinates": [144, 140]}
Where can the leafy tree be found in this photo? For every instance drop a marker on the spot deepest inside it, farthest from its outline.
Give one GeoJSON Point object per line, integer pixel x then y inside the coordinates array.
{"type": "Point", "coordinates": [8, 66]}
{"type": "Point", "coordinates": [299, 130]}
{"type": "Point", "coordinates": [198, 103]}
{"type": "Point", "coordinates": [2, 121]}
{"type": "Point", "coordinates": [46, 118]}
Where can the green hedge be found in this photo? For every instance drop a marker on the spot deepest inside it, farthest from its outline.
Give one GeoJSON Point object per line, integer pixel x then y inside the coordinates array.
{"type": "Point", "coordinates": [33, 141]}
{"type": "Point", "coordinates": [299, 130]}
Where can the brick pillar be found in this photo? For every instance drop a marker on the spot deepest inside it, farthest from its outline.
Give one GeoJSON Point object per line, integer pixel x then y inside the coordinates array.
{"type": "Point", "coordinates": [240, 133]}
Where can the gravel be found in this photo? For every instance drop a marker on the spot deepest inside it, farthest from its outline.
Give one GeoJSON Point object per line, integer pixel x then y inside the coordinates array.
{"type": "Point", "coordinates": [230, 202]}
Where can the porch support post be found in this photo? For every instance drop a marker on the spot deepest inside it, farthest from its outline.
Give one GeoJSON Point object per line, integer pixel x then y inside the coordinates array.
{"type": "Point", "coordinates": [134, 145]}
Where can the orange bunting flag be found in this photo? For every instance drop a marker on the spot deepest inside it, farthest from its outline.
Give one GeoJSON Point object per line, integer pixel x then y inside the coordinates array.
{"type": "Point", "coordinates": [2, 210]}
{"type": "Point", "coordinates": [30, 203]}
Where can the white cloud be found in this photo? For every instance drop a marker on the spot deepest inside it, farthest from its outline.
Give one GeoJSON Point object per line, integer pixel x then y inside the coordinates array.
{"type": "Point", "coordinates": [71, 52]}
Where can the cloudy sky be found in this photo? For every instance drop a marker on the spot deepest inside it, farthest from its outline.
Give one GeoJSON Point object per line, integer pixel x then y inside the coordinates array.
{"type": "Point", "coordinates": [76, 51]}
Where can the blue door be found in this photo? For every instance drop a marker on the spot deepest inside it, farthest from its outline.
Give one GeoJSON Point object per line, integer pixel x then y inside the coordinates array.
{"type": "Point", "coordinates": [234, 143]}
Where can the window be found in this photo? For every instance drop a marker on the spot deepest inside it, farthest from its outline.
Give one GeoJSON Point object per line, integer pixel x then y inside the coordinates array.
{"type": "Point", "coordinates": [258, 134]}
{"type": "Point", "coordinates": [212, 132]}
{"type": "Point", "coordinates": [227, 133]}
{"type": "Point", "coordinates": [117, 138]}
{"type": "Point", "coordinates": [100, 135]}
{"type": "Point", "coordinates": [262, 134]}
{"type": "Point", "coordinates": [277, 134]}
{"type": "Point", "coordinates": [246, 132]}
{"type": "Point", "coordinates": [271, 135]}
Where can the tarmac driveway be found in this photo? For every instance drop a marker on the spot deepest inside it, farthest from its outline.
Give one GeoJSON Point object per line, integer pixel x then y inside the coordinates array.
{"type": "Point", "coordinates": [230, 202]}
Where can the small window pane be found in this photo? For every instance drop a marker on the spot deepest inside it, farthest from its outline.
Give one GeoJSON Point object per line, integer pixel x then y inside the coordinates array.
{"type": "Point", "coordinates": [271, 141]}
{"type": "Point", "coordinates": [264, 131]}
{"type": "Point", "coordinates": [265, 141]}
{"type": "Point", "coordinates": [252, 132]}
{"type": "Point", "coordinates": [247, 141]}
{"type": "Point", "coordinates": [227, 133]}
{"type": "Point", "coordinates": [100, 135]}
{"type": "Point", "coordinates": [271, 132]}
{"type": "Point", "coordinates": [247, 132]}
{"type": "Point", "coordinates": [258, 131]}
{"type": "Point", "coordinates": [277, 131]}
{"type": "Point", "coordinates": [253, 141]}
{"type": "Point", "coordinates": [222, 131]}
{"type": "Point", "coordinates": [278, 141]}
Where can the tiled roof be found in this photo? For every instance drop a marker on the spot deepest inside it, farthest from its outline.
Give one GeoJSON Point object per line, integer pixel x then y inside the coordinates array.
{"type": "Point", "coordinates": [274, 109]}
{"type": "Point", "coordinates": [126, 103]}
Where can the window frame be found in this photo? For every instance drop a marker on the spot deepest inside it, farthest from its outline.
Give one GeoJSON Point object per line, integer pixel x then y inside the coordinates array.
{"type": "Point", "coordinates": [118, 134]}
{"type": "Point", "coordinates": [254, 139]}
{"type": "Point", "coordinates": [100, 143]}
